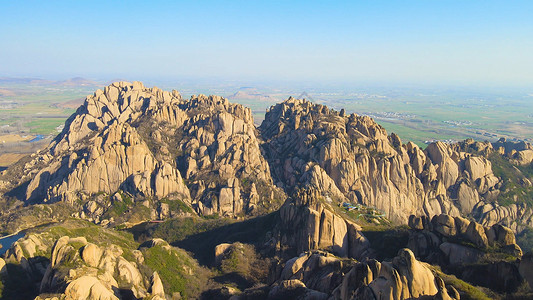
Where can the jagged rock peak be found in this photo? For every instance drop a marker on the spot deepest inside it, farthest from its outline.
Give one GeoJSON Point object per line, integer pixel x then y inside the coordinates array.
{"type": "Point", "coordinates": [153, 144]}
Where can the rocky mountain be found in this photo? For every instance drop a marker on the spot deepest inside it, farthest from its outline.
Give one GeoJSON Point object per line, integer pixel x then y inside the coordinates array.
{"type": "Point", "coordinates": [206, 153]}
{"type": "Point", "coordinates": [351, 158]}
{"type": "Point", "coordinates": [152, 145]}
{"type": "Point", "coordinates": [313, 203]}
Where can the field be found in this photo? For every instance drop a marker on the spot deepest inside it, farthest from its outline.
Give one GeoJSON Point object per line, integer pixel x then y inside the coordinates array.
{"type": "Point", "coordinates": [424, 116]}
{"type": "Point", "coordinates": [32, 112]}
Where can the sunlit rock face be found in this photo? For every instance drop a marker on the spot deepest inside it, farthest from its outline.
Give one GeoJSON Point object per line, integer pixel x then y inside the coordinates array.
{"type": "Point", "coordinates": [153, 144]}
{"type": "Point", "coordinates": [351, 158]}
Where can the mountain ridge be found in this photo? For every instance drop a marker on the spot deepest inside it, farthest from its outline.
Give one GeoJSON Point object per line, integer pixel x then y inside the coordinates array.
{"type": "Point", "coordinates": [322, 190]}
{"type": "Point", "coordinates": [202, 144]}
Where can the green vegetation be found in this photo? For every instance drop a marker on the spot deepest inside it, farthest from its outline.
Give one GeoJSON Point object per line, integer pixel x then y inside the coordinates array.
{"type": "Point", "coordinates": [513, 190]}
{"type": "Point", "coordinates": [525, 240]}
{"type": "Point", "coordinates": [178, 229]}
{"type": "Point", "coordinates": [45, 125]}
{"type": "Point", "coordinates": [32, 216]}
{"type": "Point", "coordinates": [387, 240]}
{"type": "Point", "coordinates": [244, 266]}
{"type": "Point", "coordinates": [466, 290]}
{"type": "Point", "coordinates": [177, 270]}
{"type": "Point", "coordinates": [177, 206]}
{"type": "Point", "coordinates": [93, 233]}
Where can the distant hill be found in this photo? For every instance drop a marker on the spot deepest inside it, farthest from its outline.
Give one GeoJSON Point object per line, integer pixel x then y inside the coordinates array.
{"type": "Point", "coordinates": [7, 93]}
{"type": "Point", "coordinates": [76, 81]}
{"type": "Point", "coordinates": [252, 94]}
{"type": "Point", "coordinates": [75, 103]}
{"type": "Point", "coordinates": [11, 80]}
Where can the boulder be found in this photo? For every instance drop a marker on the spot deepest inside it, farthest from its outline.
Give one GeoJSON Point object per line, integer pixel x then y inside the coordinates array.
{"type": "Point", "coordinates": [476, 234]}
{"type": "Point", "coordinates": [88, 287]}
{"type": "Point", "coordinates": [500, 235]}
{"type": "Point", "coordinates": [220, 251]}
{"type": "Point", "coordinates": [459, 255]}
{"type": "Point", "coordinates": [461, 225]}
{"type": "Point", "coordinates": [91, 254]}
{"type": "Point", "coordinates": [156, 287]}
{"type": "Point", "coordinates": [444, 224]}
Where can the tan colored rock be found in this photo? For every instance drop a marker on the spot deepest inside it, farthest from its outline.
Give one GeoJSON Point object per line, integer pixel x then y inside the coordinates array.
{"type": "Point", "coordinates": [91, 254]}
{"type": "Point", "coordinates": [467, 198]}
{"type": "Point", "coordinates": [156, 288]}
{"type": "Point", "coordinates": [87, 287]}
{"type": "Point", "coordinates": [129, 273]}
{"type": "Point", "coordinates": [418, 223]}
{"type": "Point", "coordinates": [444, 224]}
{"type": "Point", "coordinates": [523, 157]}
{"type": "Point", "coordinates": [476, 234]}
{"type": "Point", "coordinates": [420, 280]}
{"type": "Point", "coordinates": [461, 225]}
{"type": "Point", "coordinates": [120, 154]}
{"type": "Point", "coordinates": [478, 167]}
{"type": "Point", "coordinates": [220, 251]}
{"type": "Point", "coordinates": [444, 293]}
{"type": "Point", "coordinates": [293, 266]}
{"type": "Point", "coordinates": [3, 268]}
{"type": "Point", "coordinates": [500, 235]}
{"type": "Point", "coordinates": [440, 155]}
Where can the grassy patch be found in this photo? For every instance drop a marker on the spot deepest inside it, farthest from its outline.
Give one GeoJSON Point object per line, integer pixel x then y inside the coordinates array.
{"type": "Point", "coordinates": [176, 230]}
{"type": "Point", "coordinates": [178, 271]}
{"type": "Point", "coordinates": [466, 290]}
{"type": "Point", "coordinates": [512, 189]}
{"type": "Point", "coordinates": [94, 234]}
{"type": "Point", "coordinates": [177, 205]}
{"type": "Point", "coordinates": [386, 240]}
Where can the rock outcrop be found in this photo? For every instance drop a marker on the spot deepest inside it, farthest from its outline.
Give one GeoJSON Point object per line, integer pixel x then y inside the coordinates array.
{"type": "Point", "coordinates": [460, 240]}
{"type": "Point", "coordinates": [327, 277]}
{"type": "Point", "coordinates": [307, 224]}
{"type": "Point", "coordinates": [75, 268]}
{"type": "Point", "coordinates": [152, 144]}
{"type": "Point", "coordinates": [351, 158]}
{"type": "Point", "coordinates": [467, 249]}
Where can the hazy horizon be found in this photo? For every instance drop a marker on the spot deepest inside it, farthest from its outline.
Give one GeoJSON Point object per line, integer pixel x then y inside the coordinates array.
{"type": "Point", "coordinates": [452, 43]}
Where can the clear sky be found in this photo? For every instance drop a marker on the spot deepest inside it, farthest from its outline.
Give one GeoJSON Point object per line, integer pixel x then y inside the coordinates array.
{"type": "Point", "coordinates": [465, 42]}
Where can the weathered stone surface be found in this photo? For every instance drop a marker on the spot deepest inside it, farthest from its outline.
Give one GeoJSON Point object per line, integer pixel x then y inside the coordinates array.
{"type": "Point", "coordinates": [87, 287]}
{"type": "Point", "coordinates": [457, 254]}
{"type": "Point", "coordinates": [91, 254]}
{"type": "Point", "coordinates": [403, 278]}
{"type": "Point", "coordinates": [444, 224]}
{"type": "Point", "coordinates": [156, 288]}
{"type": "Point", "coordinates": [307, 224]}
{"type": "Point", "coordinates": [351, 158]}
{"type": "Point", "coordinates": [220, 250]}
{"type": "Point", "coordinates": [115, 141]}
{"type": "Point", "coordinates": [476, 233]}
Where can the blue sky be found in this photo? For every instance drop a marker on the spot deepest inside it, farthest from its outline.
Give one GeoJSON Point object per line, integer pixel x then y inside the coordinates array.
{"type": "Point", "coordinates": [455, 42]}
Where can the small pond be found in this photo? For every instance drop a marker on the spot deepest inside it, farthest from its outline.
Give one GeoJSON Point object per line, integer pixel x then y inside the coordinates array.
{"type": "Point", "coordinates": [7, 241]}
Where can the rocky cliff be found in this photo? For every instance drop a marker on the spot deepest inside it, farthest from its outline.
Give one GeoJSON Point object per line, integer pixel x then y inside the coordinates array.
{"type": "Point", "coordinates": [319, 275]}
{"type": "Point", "coordinates": [152, 145]}
{"type": "Point", "coordinates": [486, 256]}
{"type": "Point", "coordinates": [89, 262]}
{"type": "Point", "coordinates": [351, 158]}
{"type": "Point", "coordinates": [333, 182]}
